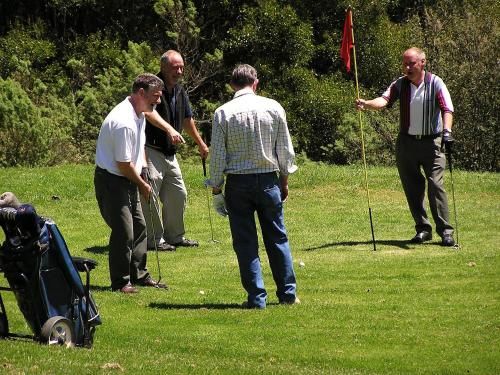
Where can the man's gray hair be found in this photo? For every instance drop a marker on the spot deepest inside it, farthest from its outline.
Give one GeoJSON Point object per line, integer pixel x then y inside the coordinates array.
{"type": "Point", "coordinates": [165, 58]}
{"type": "Point", "coordinates": [147, 81]}
{"type": "Point", "coordinates": [243, 75]}
{"type": "Point", "coordinates": [418, 51]}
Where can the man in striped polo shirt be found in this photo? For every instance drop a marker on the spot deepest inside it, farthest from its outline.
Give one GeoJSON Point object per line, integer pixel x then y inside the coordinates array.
{"type": "Point", "coordinates": [426, 116]}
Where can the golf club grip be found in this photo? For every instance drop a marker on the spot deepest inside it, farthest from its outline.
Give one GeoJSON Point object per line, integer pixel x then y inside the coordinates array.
{"type": "Point", "coordinates": [203, 161]}
{"type": "Point", "coordinates": [7, 216]}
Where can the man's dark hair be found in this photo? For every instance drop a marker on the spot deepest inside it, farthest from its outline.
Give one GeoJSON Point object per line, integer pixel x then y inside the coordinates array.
{"type": "Point", "coordinates": [147, 81]}
{"type": "Point", "coordinates": [243, 75]}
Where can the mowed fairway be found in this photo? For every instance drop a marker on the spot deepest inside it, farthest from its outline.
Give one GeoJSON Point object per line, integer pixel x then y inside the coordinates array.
{"type": "Point", "coordinates": [404, 309]}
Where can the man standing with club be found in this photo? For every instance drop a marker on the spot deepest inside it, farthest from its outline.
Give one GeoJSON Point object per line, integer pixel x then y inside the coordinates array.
{"type": "Point", "coordinates": [426, 116]}
{"type": "Point", "coordinates": [164, 170]}
{"type": "Point", "coordinates": [119, 160]}
{"type": "Point", "coordinates": [251, 145]}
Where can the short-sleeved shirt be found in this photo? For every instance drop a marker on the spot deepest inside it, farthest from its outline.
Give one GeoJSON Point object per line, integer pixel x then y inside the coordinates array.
{"type": "Point", "coordinates": [420, 107]}
{"type": "Point", "coordinates": [121, 139]}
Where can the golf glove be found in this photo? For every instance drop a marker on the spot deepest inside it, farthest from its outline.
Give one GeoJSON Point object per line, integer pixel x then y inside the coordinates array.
{"type": "Point", "coordinates": [447, 140]}
{"type": "Point", "coordinates": [220, 204]}
{"type": "Point", "coordinates": [447, 137]}
{"type": "Point", "coordinates": [145, 175]}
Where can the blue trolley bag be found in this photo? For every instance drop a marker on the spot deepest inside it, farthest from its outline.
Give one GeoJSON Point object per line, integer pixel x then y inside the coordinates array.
{"type": "Point", "coordinates": [45, 280]}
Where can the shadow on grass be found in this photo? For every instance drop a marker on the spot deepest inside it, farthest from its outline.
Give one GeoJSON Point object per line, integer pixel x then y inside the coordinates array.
{"type": "Point", "coordinates": [100, 288]}
{"type": "Point", "coordinates": [18, 337]}
{"type": "Point", "coordinates": [402, 244]}
{"type": "Point", "coordinates": [202, 306]}
{"type": "Point", "coordinates": [97, 249]}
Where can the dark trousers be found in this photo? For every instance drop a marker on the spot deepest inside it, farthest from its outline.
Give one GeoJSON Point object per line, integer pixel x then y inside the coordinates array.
{"type": "Point", "coordinates": [118, 200]}
{"type": "Point", "coordinates": [413, 156]}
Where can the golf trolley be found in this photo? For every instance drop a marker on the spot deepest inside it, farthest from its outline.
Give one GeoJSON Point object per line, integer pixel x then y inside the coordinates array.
{"type": "Point", "coordinates": [45, 280]}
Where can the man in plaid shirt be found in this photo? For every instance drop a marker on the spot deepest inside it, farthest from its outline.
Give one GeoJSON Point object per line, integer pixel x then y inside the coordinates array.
{"type": "Point", "coordinates": [252, 148]}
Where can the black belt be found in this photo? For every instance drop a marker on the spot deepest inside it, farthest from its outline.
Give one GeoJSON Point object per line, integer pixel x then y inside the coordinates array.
{"type": "Point", "coordinates": [105, 171]}
{"type": "Point", "coordinates": [419, 137]}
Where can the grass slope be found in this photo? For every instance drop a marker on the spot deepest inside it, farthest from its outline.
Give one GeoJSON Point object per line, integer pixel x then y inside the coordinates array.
{"type": "Point", "coordinates": [404, 309]}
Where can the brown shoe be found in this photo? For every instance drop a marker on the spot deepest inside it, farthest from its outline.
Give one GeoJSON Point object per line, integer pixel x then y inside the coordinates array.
{"type": "Point", "coordinates": [127, 289]}
{"type": "Point", "coordinates": [149, 282]}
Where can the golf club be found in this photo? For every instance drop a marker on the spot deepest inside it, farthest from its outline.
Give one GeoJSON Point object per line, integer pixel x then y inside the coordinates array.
{"type": "Point", "coordinates": [154, 202]}
{"type": "Point", "coordinates": [203, 160]}
{"type": "Point", "coordinates": [450, 164]}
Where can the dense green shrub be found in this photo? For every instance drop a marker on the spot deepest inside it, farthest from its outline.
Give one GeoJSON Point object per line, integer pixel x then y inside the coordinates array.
{"type": "Point", "coordinates": [270, 36]}
{"type": "Point", "coordinates": [96, 99]}
{"type": "Point", "coordinates": [67, 63]}
{"type": "Point", "coordinates": [463, 49]}
{"type": "Point", "coordinates": [27, 137]}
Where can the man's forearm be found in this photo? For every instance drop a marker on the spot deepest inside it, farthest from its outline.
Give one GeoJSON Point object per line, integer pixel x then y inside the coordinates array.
{"type": "Point", "coordinates": [374, 104]}
{"type": "Point", "coordinates": [447, 120]}
{"type": "Point", "coordinates": [128, 170]}
{"type": "Point", "coordinates": [158, 121]}
{"type": "Point", "coordinates": [190, 127]}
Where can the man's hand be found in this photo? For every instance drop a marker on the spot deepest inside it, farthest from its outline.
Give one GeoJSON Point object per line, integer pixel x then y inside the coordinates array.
{"type": "Point", "coordinates": [360, 104]}
{"type": "Point", "coordinates": [145, 175]}
{"type": "Point", "coordinates": [203, 150]}
{"type": "Point", "coordinates": [284, 187]}
{"type": "Point", "coordinates": [220, 204]}
{"type": "Point", "coordinates": [145, 190]}
{"type": "Point", "coordinates": [447, 140]}
{"type": "Point", "coordinates": [175, 137]}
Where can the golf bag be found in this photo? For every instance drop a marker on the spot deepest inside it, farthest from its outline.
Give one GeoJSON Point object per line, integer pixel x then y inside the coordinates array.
{"type": "Point", "coordinates": [45, 280]}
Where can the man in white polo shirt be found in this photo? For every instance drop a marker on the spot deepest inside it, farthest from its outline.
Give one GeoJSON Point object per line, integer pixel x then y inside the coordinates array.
{"type": "Point", "coordinates": [426, 116]}
{"type": "Point", "coordinates": [120, 158]}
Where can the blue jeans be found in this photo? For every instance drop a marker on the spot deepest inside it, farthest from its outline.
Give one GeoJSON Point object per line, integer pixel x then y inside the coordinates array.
{"type": "Point", "coordinates": [245, 195]}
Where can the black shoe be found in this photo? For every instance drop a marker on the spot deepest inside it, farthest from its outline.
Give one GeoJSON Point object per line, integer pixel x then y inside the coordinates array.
{"type": "Point", "coordinates": [187, 243]}
{"type": "Point", "coordinates": [447, 240]}
{"type": "Point", "coordinates": [421, 237]}
{"type": "Point", "coordinates": [162, 247]}
{"type": "Point", "coordinates": [152, 283]}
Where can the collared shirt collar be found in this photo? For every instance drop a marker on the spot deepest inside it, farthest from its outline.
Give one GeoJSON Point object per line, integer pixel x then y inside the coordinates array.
{"type": "Point", "coordinates": [244, 91]}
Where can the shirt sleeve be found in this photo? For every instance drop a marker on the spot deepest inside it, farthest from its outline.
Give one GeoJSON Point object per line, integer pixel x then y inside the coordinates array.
{"type": "Point", "coordinates": [218, 152]}
{"type": "Point", "coordinates": [284, 148]}
{"type": "Point", "coordinates": [123, 144]}
{"type": "Point", "coordinates": [188, 112]}
{"type": "Point", "coordinates": [443, 96]}
{"type": "Point", "coordinates": [391, 94]}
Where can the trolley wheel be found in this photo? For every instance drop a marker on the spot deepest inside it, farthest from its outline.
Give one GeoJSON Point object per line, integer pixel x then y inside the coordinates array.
{"type": "Point", "coordinates": [58, 331]}
{"type": "Point", "coordinates": [4, 325]}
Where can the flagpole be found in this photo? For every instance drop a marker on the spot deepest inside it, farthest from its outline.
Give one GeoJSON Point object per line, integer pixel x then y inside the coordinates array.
{"type": "Point", "coordinates": [361, 128]}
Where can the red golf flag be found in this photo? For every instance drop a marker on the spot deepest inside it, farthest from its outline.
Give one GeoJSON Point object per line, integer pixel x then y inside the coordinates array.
{"type": "Point", "coordinates": [347, 44]}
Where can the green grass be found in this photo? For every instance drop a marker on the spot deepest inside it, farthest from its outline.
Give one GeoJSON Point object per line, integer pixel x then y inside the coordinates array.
{"type": "Point", "coordinates": [404, 309]}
